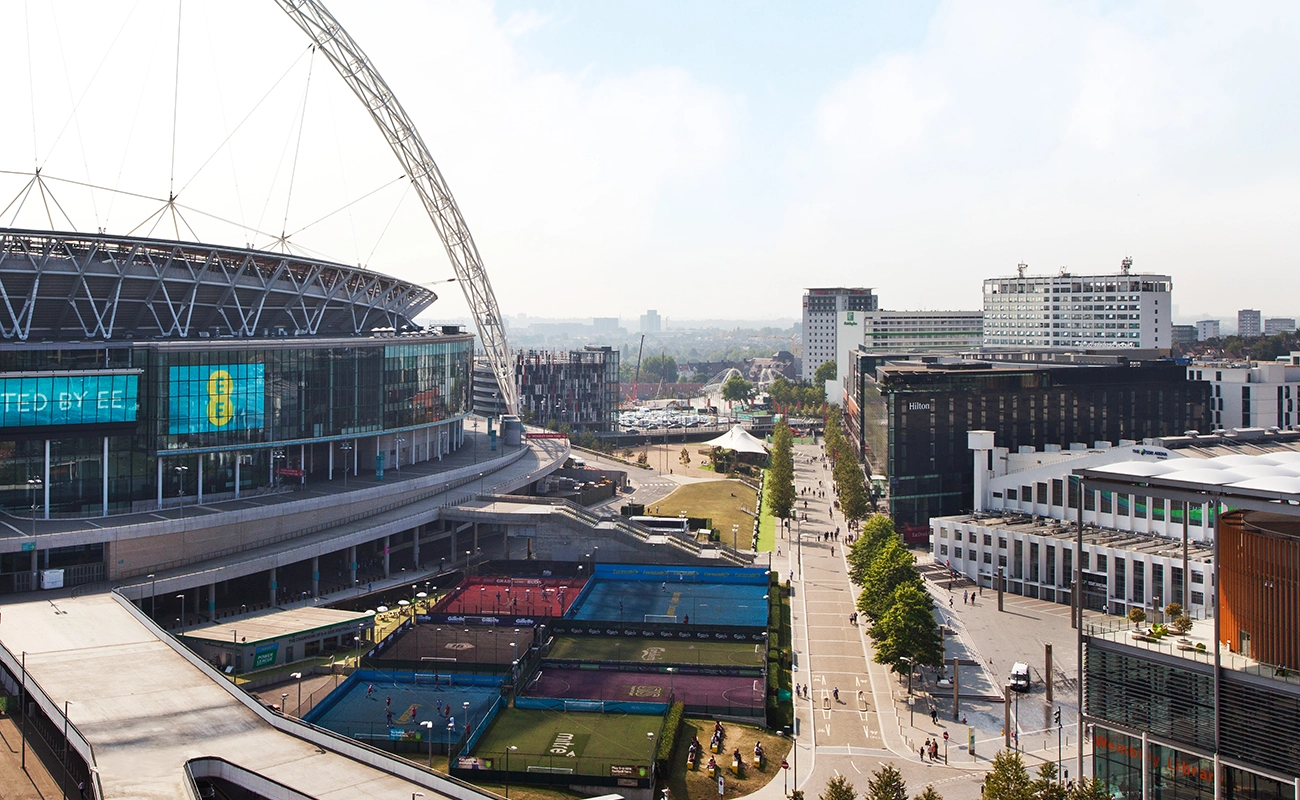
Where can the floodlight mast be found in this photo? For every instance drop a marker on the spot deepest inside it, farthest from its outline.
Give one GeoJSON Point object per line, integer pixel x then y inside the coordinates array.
{"type": "Point", "coordinates": [368, 85]}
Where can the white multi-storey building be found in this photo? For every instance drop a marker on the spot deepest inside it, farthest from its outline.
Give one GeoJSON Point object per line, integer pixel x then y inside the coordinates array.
{"type": "Point", "coordinates": [907, 331]}
{"type": "Point", "coordinates": [1207, 329]}
{"type": "Point", "coordinates": [1125, 310]}
{"type": "Point", "coordinates": [821, 308]}
{"type": "Point", "coordinates": [1255, 394]}
{"type": "Point", "coordinates": [1248, 322]}
{"type": "Point", "coordinates": [1276, 325]}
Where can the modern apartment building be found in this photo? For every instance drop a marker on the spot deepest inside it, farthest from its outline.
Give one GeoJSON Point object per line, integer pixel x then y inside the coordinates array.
{"type": "Point", "coordinates": [1248, 322]}
{"type": "Point", "coordinates": [577, 388]}
{"type": "Point", "coordinates": [1067, 311]}
{"type": "Point", "coordinates": [1184, 334]}
{"type": "Point", "coordinates": [906, 331]}
{"type": "Point", "coordinates": [1254, 394]}
{"type": "Point", "coordinates": [1276, 325]}
{"type": "Point", "coordinates": [821, 308]}
{"type": "Point", "coordinates": [651, 322]}
{"type": "Point", "coordinates": [1207, 329]}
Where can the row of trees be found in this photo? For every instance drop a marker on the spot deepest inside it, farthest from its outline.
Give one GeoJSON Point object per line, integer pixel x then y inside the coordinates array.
{"type": "Point", "coordinates": [850, 483]}
{"type": "Point", "coordinates": [737, 390]}
{"type": "Point", "coordinates": [780, 473]}
{"type": "Point", "coordinates": [1008, 780]}
{"type": "Point", "coordinates": [893, 599]}
{"type": "Point", "coordinates": [798, 398]}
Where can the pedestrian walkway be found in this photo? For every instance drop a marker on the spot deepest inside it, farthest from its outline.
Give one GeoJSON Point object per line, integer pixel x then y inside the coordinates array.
{"type": "Point", "coordinates": [17, 783]}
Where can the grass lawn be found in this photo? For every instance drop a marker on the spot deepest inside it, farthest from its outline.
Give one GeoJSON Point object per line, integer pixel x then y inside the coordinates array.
{"type": "Point", "coordinates": [596, 648]}
{"type": "Point", "coordinates": [547, 738]}
{"type": "Point", "coordinates": [697, 785]}
{"type": "Point", "coordinates": [720, 501]}
{"type": "Point", "coordinates": [767, 528]}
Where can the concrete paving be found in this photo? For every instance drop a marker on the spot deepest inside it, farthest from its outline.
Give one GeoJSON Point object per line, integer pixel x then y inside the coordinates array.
{"type": "Point", "coordinates": [871, 723]}
{"type": "Point", "coordinates": [146, 710]}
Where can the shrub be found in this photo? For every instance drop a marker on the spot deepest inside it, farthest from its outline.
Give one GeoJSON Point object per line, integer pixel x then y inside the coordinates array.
{"type": "Point", "coordinates": [1174, 610]}
{"type": "Point", "coordinates": [1137, 616]}
{"type": "Point", "coordinates": [1183, 624]}
{"type": "Point", "coordinates": [668, 743]}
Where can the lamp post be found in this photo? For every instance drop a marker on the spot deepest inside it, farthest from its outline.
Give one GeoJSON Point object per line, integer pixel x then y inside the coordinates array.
{"type": "Point", "coordinates": [283, 696]}
{"type": "Point", "coordinates": [22, 708]}
{"type": "Point", "coordinates": [450, 725]}
{"type": "Point", "coordinates": [400, 440]}
{"type": "Point", "coordinates": [357, 639]}
{"type": "Point", "coordinates": [180, 486]}
{"type": "Point", "coordinates": [297, 711]}
{"type": "Point", "coordinates": [650, 736]}
{"type": "Point", "coordinates": [181, 596]}
{"type": "Point", "coordinates": [63, 781]}
{"type": "Point", "coordinates": [153, 597]}
{"type": "Point", "coordinates": [509, 749]}
{"type": "Point", "coordinates": [428, 726]}
{"type": "Point", "coordinates": [346, 447]}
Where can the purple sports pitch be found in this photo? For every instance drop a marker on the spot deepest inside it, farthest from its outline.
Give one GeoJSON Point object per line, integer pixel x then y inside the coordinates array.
{"type": "Point", "coordinates": [713, 691]}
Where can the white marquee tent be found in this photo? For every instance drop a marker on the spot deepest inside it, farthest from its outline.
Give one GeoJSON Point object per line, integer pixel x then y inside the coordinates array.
{"type": "Point", "coordinates": [738, 439]}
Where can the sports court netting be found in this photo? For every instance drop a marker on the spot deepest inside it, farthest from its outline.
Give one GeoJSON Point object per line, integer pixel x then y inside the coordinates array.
{"type": "Point", "coordinates": [443, 645]}
{"type": "Point", "coordinates": [744, 694]}
{"type": "Point", "coordinates": [678, 601]}
{"type": "Point", "coordinates": [541, 597]}
{"type": "Point", "coordinates": [353, 710]}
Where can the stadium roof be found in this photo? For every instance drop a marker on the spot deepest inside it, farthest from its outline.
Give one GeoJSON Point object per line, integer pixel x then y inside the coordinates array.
{"type": "Point", "coordinates": [1262, 482]}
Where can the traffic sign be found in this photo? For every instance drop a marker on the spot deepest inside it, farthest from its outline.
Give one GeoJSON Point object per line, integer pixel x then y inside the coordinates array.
{"type": "Point", "coordinates": [785, 764]}
{"type": "Point", "coordinates": [945, 736]}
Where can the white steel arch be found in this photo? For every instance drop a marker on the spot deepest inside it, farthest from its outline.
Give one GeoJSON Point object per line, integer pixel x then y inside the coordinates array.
{"type": "Point", "coordinates": [369, 87]}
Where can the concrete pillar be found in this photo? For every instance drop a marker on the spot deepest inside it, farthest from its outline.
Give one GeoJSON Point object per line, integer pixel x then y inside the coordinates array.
{"type": "Point", "coordinates": [302, 464]}
{"type": "Point", "coordinates": [352, 563]}
{"type": "Point", "coordinates": [387, 558]}
{"type": "Point", "coordinates": [981, 443]}
{"type": "Point", "coordinates": [104, 487]}
{"type": "Point", "coordinates": [238, 458]}
{"type": "Point", "coordinates": [274, 594]}
{"type": "Point", "coordinates": [199, 473]}
{"type": "Point", "coordinates": [451, 562]}
{"type": "Point", "coordinates": [475, 547]}
{"type": "Point", "coordinates": [331, 461]}
{"type": "Point", "coordinates": [159, 481]}
{"type": "Point", "coordinates": [315, 576]}
{"type": "Point", "coordinates": [1146, 769]}
{"type": "Point", "coordinates": [956, 685]}
{"type": "Point", "coordinates": [415, 550]}
{"type": "Point", "coordinates": [212, 601]}
{"type": "Point", "coordinates": [46, 486]}
{"type": "Point", "coordinates": [1047, 669]}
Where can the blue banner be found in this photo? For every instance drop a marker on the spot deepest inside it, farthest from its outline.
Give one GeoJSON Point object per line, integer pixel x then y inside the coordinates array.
{"type": "Point", "coordinates": [68, 400]}
{"type": "Point", "coordinates": [216, 398]}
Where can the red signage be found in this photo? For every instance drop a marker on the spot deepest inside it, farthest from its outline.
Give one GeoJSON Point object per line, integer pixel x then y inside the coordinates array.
{"type": "Point", "coordinates": [785, 764]}
{"type": "Point", "coordinates": [289, 472]}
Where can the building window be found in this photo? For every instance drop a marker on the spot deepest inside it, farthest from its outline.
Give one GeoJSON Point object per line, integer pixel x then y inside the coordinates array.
{"type": "Point", "coordinates": [1058, 491]}
{"type": "Point", "coordinates": [971, 537]}
{"type": "Point", "coordinates": [957, 552]}
{"type": "Point", "coordinates": [1042, 493]}
{"type": "Point", "coordinates": [988, 540]}
{"type": "Point", "coordinates": [1122, 505]}
{"type": "Point", "coordinates": [943, 533]}
{"type": "Point", "coordinates": [988, 558]}
{"type": "Point", "coordinates": [1120, 565]}
{"type": "Point", "coordinates": [1198, 576]}
{"type": "Point", "coordinates": [1101, 562]}
{"type": "Point", "coordinates": [1002, 543]}
{"type": "Point", "coordinates": [943, 549]}
{"type": "Point", "coordinates": [1198, 598]}
{"type": "Point", "coordinates": [1107, 502]}
{"type": "Point", "coordinates": [1011, 494]}
{"type": "Point", "coordinates": [1026, 494]}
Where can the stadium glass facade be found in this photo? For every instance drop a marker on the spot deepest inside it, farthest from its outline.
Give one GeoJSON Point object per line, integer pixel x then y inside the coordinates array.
{"type": "Point", "coordinates": [116, 428]}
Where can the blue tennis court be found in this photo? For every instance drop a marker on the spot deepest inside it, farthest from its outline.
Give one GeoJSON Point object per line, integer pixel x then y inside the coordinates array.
{"type": "Point", "coordinates": [372, 705]}
{"type": "Point", "coordinates": [672, 601]}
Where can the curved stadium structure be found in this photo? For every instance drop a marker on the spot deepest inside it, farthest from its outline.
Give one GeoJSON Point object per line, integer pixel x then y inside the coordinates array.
{"type": "Point", "coordinates": [139, 375]}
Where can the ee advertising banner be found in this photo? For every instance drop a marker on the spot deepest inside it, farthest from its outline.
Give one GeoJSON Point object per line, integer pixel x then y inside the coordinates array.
{"type": "Point", "coordinates": [227, 397]}
{"type": "Point", "coordinates": [32, 401]}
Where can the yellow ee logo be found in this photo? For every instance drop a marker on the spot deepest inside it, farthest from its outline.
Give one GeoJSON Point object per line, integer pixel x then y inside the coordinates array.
{"type": "Point", "coordinates": [220, 407]}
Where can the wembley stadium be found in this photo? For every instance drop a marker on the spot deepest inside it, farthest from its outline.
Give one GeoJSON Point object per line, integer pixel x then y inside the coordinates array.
{"type": "Point", "coordinates": [142, 375]}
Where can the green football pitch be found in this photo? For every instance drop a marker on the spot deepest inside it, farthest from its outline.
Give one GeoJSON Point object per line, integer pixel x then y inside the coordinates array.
{"type": "Point", "coordinates": [597, 648]}
{"type": "Point", "coordinates": [584, 743]}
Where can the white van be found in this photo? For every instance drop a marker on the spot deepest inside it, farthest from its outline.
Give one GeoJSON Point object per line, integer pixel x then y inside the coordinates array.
{"type": "Point", "coordinates": [1020, 676]}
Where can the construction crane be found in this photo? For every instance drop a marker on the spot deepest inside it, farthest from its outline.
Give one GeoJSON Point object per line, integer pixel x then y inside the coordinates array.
{"type": "Point", "coordinates": [637, 377]}
{"type": "Point", "coordinates": [399, 131]}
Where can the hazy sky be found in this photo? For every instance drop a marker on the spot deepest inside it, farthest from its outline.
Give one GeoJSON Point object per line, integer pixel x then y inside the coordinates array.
{"type": "Point", "coordinates": [704, 159]}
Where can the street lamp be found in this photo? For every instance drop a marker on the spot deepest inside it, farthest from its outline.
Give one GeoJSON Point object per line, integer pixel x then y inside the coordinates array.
{"type": "Point", "coordinates": [153, 597]}
{"type": "Point", "coordinates": [346, 447]}
{"type": "Point", "coordinates": [180, 486]}
{"type": "Point", "coordinates": [509, 749]}
{"type": "Point", "coordinates": [181, 597]}
{"type": "Point", "coordinates": [283, 696]}
{"type": "Point", "coordinates": [297, 712]}
{"type": "Point", "coordinates": [650, 736]}
{"type": "Point", "coordinates": [428, 724]}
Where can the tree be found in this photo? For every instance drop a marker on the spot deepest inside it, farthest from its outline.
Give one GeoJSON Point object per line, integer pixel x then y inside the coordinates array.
{"type": "Point", "coordinates": [1091, 789]}
{"type": "Point", "coordinates": [1046, 786]}
{"type": "Point", "coordinates": [685, 457]}
{"type": "Point", "coordinates": [723, 460]}
{"type": "Point", "coordinates": [1137, 616]}
{"type": "Point", "coordinates": [928, 794]}
{"type": "Point", "coordinates": [1008, 780]}
{"type": "Point", "coordinates": [892, 568]}
{"type": "Point", "coordinates": [1174, 610]}
{"type": "Point", "coordinates": [1183, 624]}
{"type": "Point", "coordinates": [907, 632]}
{"type": "Point", "coordinates": [642, 460]}
{"type": "Point", "coordinates": [838, 788]}
{"type": "Point", "coordinates": [826, 372]}
{"type": "Point", "coordinates": [736, 389]}
{"type": "Point", "coordinates": [877, 530]}
{"type": "Point", "coordinates": [780, 474]}
{"type": "Point", "coordinates": [657, 368]}
{"type": "Point", "coordinates": [886, 783]}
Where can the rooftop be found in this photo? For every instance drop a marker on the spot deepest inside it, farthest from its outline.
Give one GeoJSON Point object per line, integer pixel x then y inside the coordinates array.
{"type": "Point", "coordinates": [280, 623]}
{"type": "Point", "coordinates": [1132, 541]}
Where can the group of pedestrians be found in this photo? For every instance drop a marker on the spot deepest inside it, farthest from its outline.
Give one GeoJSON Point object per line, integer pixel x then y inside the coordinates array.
{"type": "Point", "coordinates": [930, 748]}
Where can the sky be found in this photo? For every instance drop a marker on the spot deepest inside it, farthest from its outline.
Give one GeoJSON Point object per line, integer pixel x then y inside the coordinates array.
{"type": "Point", "coordinates": [703, 159]}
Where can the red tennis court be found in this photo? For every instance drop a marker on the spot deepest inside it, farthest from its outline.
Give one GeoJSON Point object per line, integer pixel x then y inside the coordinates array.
{"type": "Point", "coordinates": [535, 597]}
{"type": "Point", "coordinates": [714, 691]}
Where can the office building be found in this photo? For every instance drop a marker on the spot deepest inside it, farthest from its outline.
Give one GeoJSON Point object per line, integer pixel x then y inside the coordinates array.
{"type": "Point", "coordinates": [1276, 325]}
{"type": "Point", "coordinates": [1248, 323]}
{"type": "Point", "coordinates": [651, 322]}
{"type": "Point", "coordinates": [1184, 334]}
{"type": "Point", "coordinates": [912, 416]}
{"type": "Point", "coordinates": [906, 331]}
{"type": "Point", "coordinates": [1213, 712]}
{"type": "Point", "coordinates": [605, 325]}
{"type": "Point", "coordinates": [1255, 394]}
{"type": "Point", "coordinates": [1207, 329]}
{"type": "Point", "coordinates": [1119, 311]}
{"type": "Point", "coordinates": [577, 389]}
{"type": "Point", "coordinates": [821, 308]}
